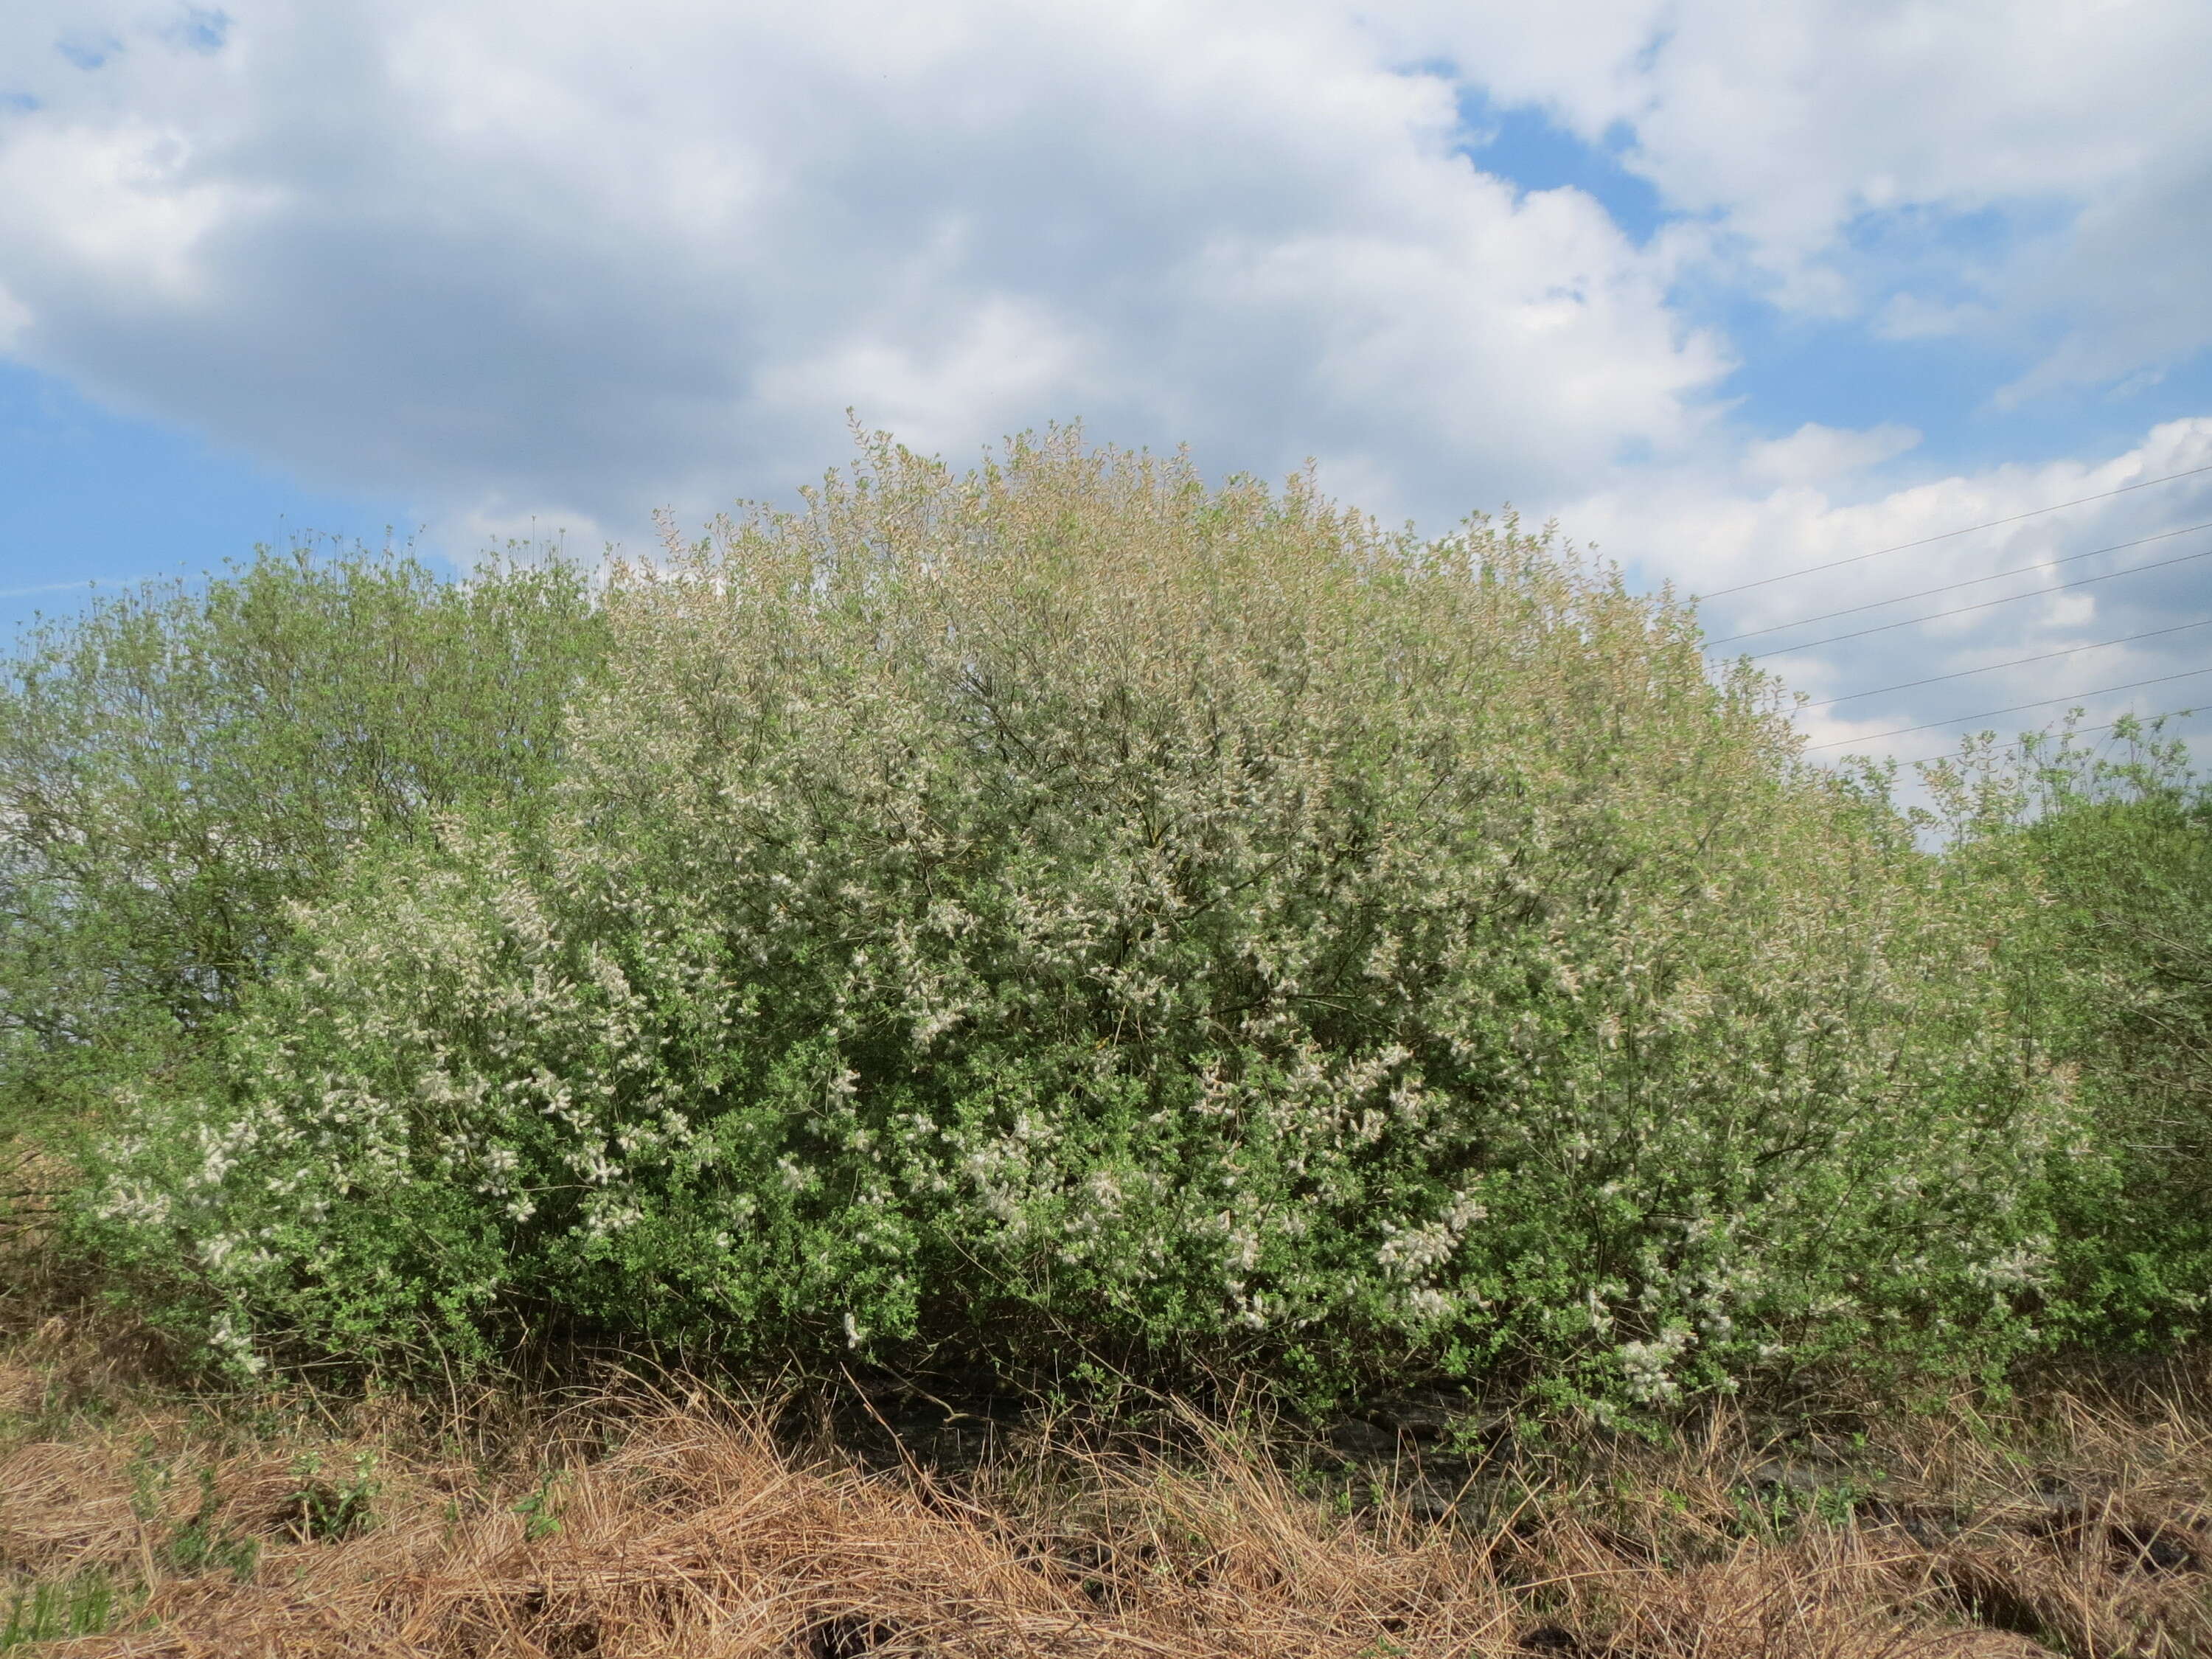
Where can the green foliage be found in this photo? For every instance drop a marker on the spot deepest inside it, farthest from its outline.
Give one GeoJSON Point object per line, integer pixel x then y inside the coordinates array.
{"type": "Point", "coordinates": [53, 1610]}
{"type": "Point", "coordinates": [540, 1508]}
{"type": "Point", "coordinates": [181, 764]}
{"type": "Point", "coordinates": [201, 1542]}
{"type": "Point", "coordinates": [2109, 973]}
{"type": "Point", "coordinates": [326, 1507]}
{"type": "Point", "coordinates": [1070, 912]}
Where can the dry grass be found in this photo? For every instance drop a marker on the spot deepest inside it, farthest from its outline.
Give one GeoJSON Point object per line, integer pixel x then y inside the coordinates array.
{"type": "Point", "coordinates": [637, 1524]}
{"type": "Point", "coordinates": [642, 1524]}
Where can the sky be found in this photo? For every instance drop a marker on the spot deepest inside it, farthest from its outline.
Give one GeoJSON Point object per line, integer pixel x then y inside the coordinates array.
{"type": "Point", "coordinates": [1729, 289]}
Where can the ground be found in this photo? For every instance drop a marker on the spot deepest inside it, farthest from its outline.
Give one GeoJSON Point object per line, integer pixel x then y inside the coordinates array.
{"type": "Point", "coordinates": [625, 1518]}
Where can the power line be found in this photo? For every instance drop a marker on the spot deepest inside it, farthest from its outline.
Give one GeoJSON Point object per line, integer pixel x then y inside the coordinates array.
{"type": "Point", "coordinates": [1968, 530]}
{"type": "Point", "coordinates": [1986, 604]}
{"type": "Point", "coordinates": [1947, 588]}
{"type": "Point", "coordinates": [1990, 714]}
{"type": "Point", "coordinates": [1991, 668]}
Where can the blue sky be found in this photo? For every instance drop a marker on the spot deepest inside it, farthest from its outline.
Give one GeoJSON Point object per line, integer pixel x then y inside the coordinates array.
{"type": "Point", "coordinates": [1729, 288]}
{"type": "Point", "coordinates": [88, 497]}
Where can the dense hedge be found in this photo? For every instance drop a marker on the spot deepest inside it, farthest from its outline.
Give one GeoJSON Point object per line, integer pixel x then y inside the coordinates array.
{"type": "Point", "coordinates": [1070, 912]}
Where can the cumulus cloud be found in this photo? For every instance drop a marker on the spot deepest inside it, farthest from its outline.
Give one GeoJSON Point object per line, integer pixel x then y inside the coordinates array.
{"type": "Point", "coordinates": [500, 258]}
{"type": "Point", "coordinates": [2034, 169]}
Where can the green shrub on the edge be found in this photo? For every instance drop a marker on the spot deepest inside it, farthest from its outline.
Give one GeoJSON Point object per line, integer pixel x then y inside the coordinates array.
{"type": "Point", "coordinates": [1068, 910]}
{"type": "Point", "coordinates": [180, 764]}
{"type": "Point", "coordinates": [2109, 973]}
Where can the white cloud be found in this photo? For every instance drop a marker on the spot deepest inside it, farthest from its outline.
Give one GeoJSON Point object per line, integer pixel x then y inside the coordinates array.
{"type": "Point", "coordinates": [543, 251]}
{"type": "Point", "coordinates": [14, 318]}
{"type": "Point", "coordinates": [1814, 454]}
{"type": "Point", "coordinates": [123, 207]}
{"type": "Point", "coordinates": [490, 254]}
{"type": "Point", "coordinates": [1713, 532]}
{"type": "Point", "coordinates": [2006, 166]}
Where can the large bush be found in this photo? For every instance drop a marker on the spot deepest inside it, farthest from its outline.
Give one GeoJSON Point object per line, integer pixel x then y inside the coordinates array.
{"type": "Point", "coordinates": [1070, 911]}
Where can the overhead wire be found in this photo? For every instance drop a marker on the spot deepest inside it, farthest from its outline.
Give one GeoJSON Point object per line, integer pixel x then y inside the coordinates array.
{"type": "Point", "coordinates": [1986, 604]}
{"type": "Point", "coordinates": [1947, 588]}
{"type": "Point", "coordinates": [2017, 662]}
{"type": "Point", "coordinates": [1966, 530]}
{"type": "Point", "coordinates": [1990, 714]}
{"type": "Point", "coordinates": [1935, 615]}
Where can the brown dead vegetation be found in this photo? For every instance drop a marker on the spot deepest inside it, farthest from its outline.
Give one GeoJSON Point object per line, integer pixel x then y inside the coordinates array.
{"type": "Point", "coordinates": [640, 1523]}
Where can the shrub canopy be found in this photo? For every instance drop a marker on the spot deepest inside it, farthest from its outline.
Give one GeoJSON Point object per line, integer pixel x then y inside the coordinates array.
{"type": "Point", "coordinates": [1070, 912]}
{"type": "Point", "coordinates": [2107, 966]}
{"type": "Point", "coordinates": [181, 764]}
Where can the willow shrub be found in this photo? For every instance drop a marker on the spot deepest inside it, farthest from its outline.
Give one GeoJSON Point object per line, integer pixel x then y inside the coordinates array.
{"type": "Point", "coordinates": [1071, 913]}
{"type": "Point", "coordinates": [2109, 967]}
{"type": "Point", "coordinates": [181, 763]}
